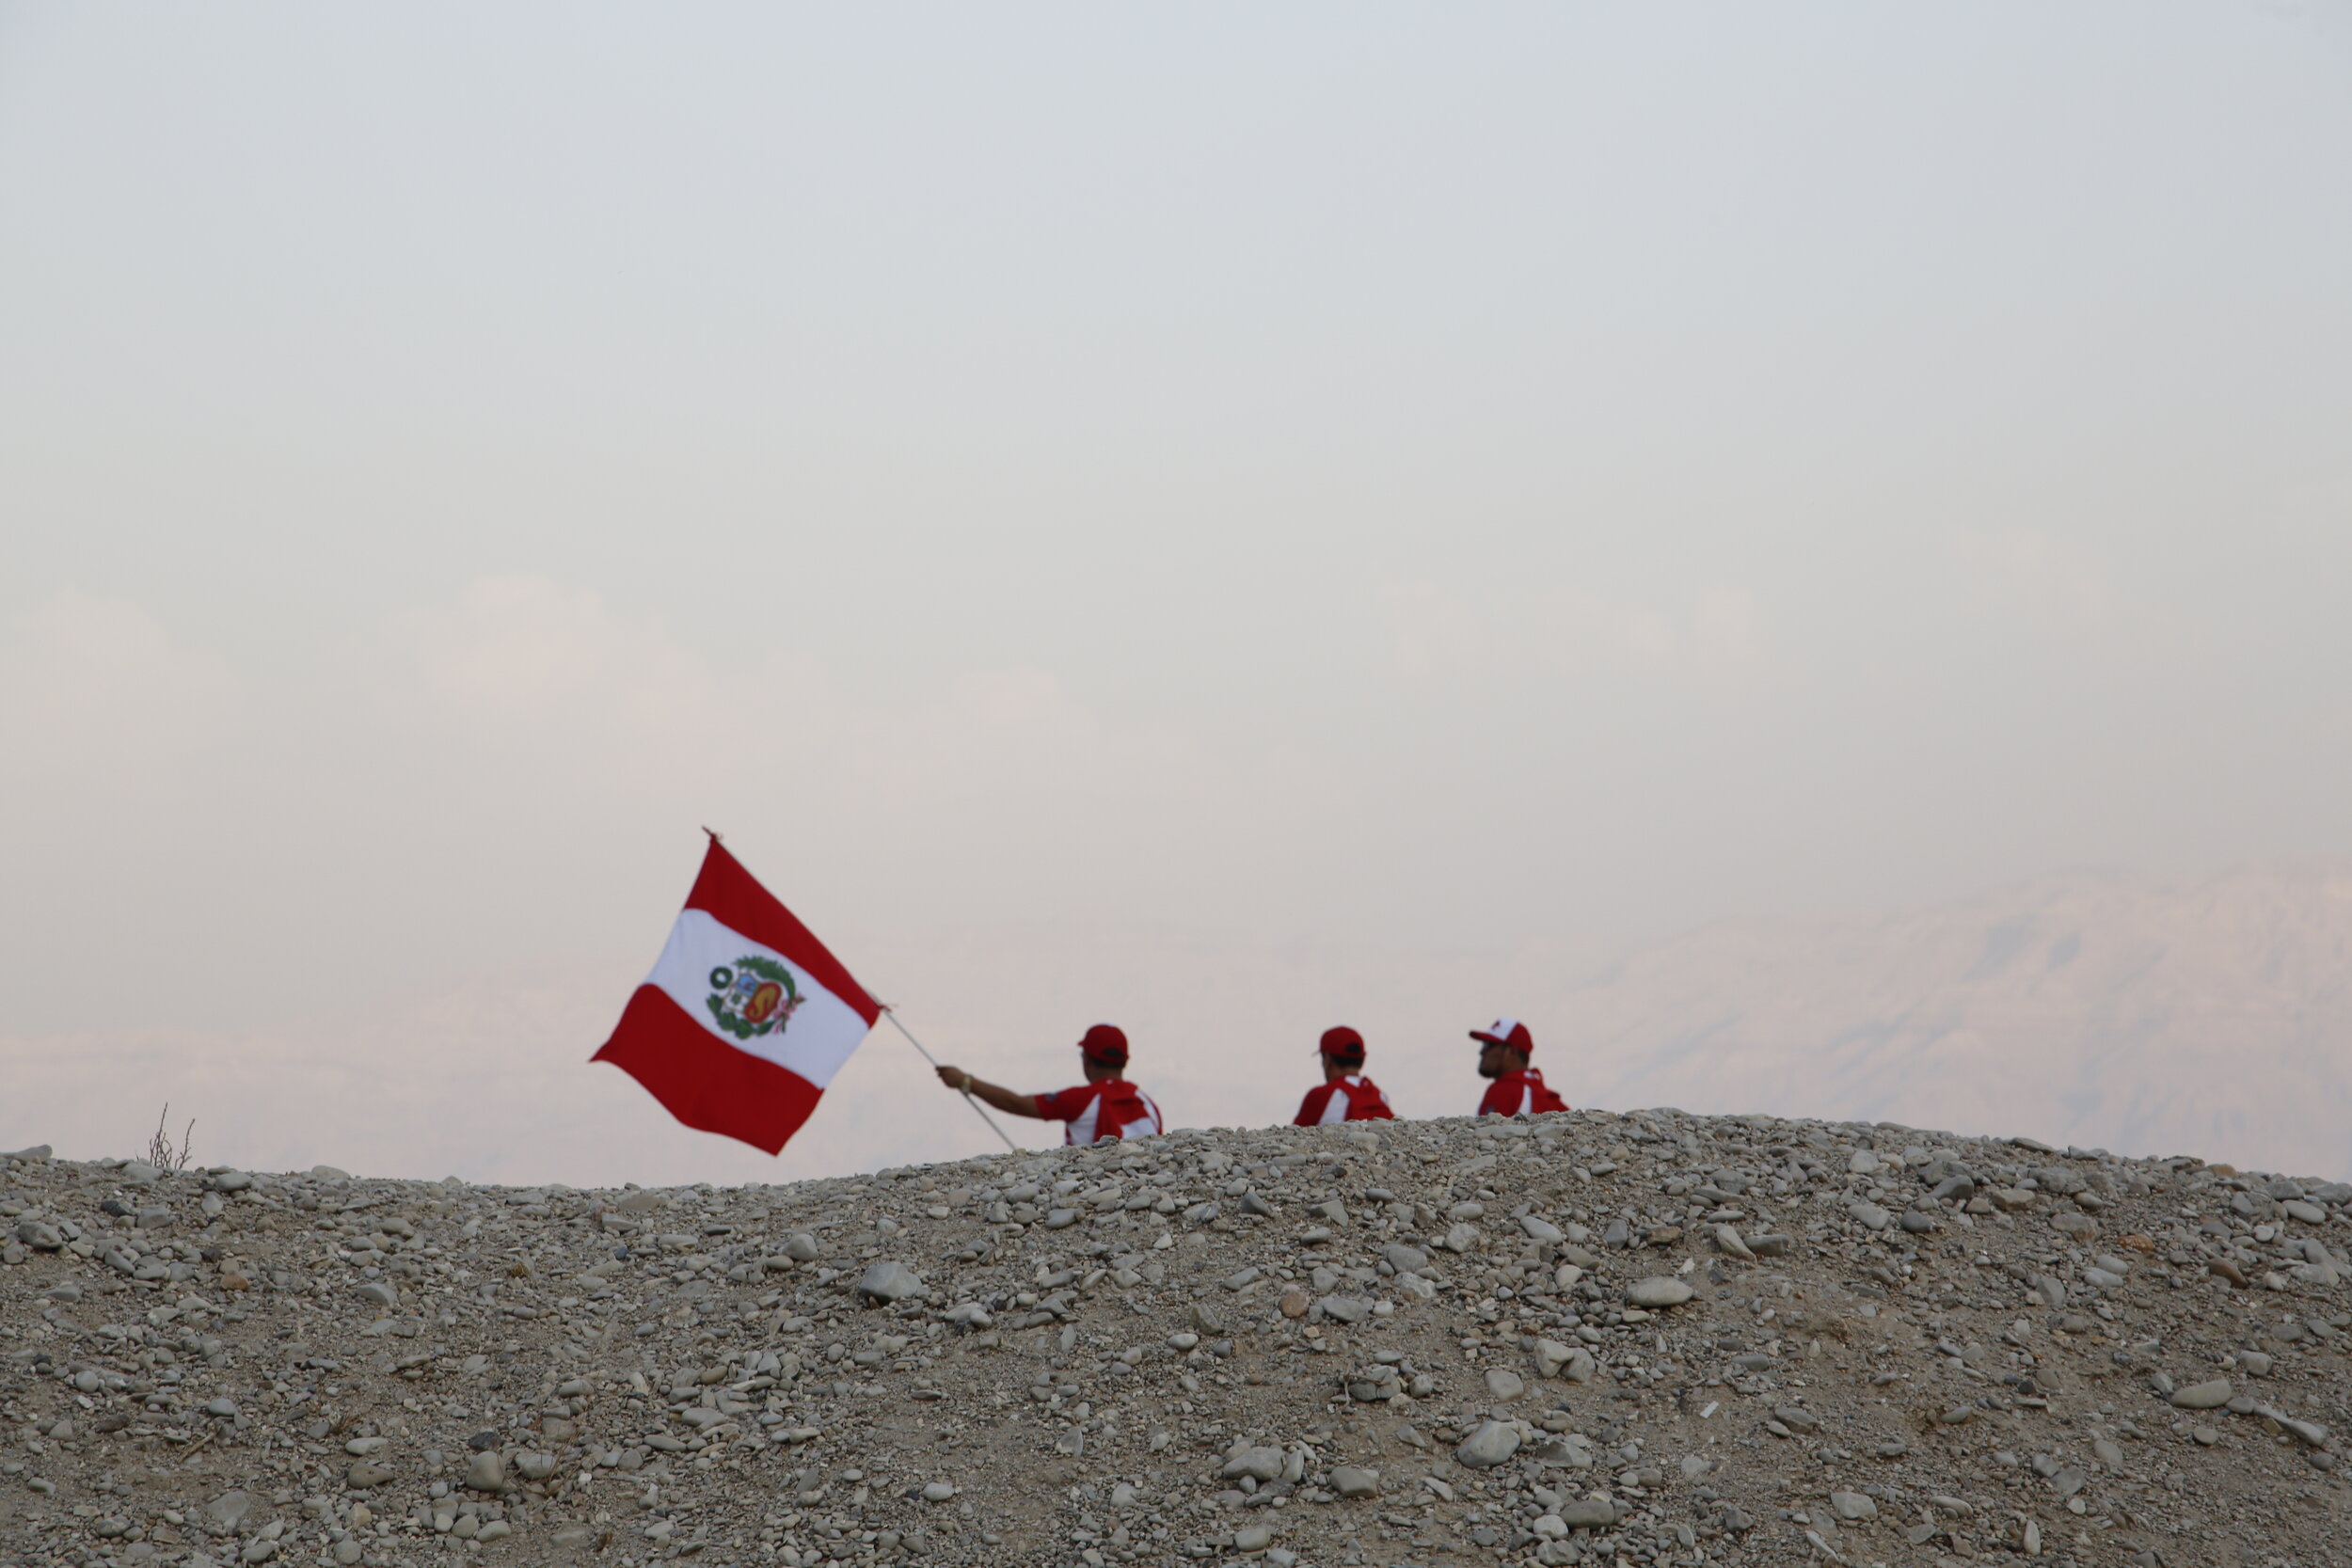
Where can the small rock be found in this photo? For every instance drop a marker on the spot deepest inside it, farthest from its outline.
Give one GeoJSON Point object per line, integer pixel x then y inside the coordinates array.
{"type": "Point", "coordinates": [1505, 1385]}
{"type": "Point", "coordinates": [1404, 1260]}
{"type": "Point", "coordinates": [889, 1281]}
{"type": "Point", "coordinates": [364, 1447]}
{"type": "Point", "coordinates": [1658, 1290]}
{"type": "Point", "coordinates": [1871, 1215]}
{"type": "Point", "coordinates": [2080, 1227]}
{"type": "Point", "coordinates": [802, 1248]}
{"type": "Point", "coordinates": [1491, 1445]}
{"type": "Point", "coordinates": [1461, 1238]}
{"type": "Point", "coordinates": [1295, 1304]}
{"type": "Point", "coordinates": [229, 1509]}
{"type": "Point", "coordinates": [1853, 1505]}
{"type": "Point", "coordinates": [535, 1467]}
{"type": "Point", "coordinates": [938, 1492]}
{"type": "Point", "coordinates": [224, 1408]}
{"type": "Point", "coordinates": [1797, 1419]}
{"type": "Point", "coordinates": [376, 1294]}
{"type": "Point", "coordinates": [487, 1472]}
{"type": "Point", "coordinates": [1541, 1230]}
{"type": "Point", "coordinates": [368, 1473]}
{"type": "Point", "coordinates": [1550, 1355]}
{"type": "Point", "coordinates": [1346, 1309]}
{"type": "Point", "coordinates": [2202, 1396]}
{"type": "Point", "coordinates": [1252, 1538]}
{"type": "Point", "coordinates": [1264, 1464]}
{"type": "Point", "coordinates": [1354, 1480]}
{"type": "Point", "coordinates": [1588, 1514]}
{"type": "Point", "coordinates": [1729, 1241]}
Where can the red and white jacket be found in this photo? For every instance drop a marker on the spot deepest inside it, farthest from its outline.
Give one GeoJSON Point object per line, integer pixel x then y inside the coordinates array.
{"type": "Point", "coordinates": [1113, 1108]}
{"type": "Point", "coordinates": [1523, 1090]}
{"type": "Point", "coordinates": [1354, 1097]}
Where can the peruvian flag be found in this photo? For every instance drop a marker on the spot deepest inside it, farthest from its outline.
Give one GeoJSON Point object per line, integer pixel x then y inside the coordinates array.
{"type": "Point", "coordinates": [745, 1019]}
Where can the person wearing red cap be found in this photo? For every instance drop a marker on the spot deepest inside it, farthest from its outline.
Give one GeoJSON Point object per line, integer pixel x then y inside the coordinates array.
{"type": "Point", "coordinates": [1345, 1094]}
{"type": "Point", "coordinates": [1503, 1052]}
{"type": "Point", "coordinates": [1105, 1106]}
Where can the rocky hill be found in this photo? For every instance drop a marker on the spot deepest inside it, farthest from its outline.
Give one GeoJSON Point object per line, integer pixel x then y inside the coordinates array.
{"type": "Point", "coordinates": [1653, 1338]}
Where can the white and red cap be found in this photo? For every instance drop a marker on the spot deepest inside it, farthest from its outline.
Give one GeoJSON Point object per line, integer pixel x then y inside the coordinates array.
{"type": "Point", "coordinates": [1508, 1032]}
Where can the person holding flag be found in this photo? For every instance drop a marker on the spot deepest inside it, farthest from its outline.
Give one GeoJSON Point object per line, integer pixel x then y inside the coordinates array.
{"type": "Point", "coordinates": [1503, 1051]}
{"type": "Point", "coordinates": [1345, 1094]}
{"type": "Point", "coordinates": [1105, 1106]}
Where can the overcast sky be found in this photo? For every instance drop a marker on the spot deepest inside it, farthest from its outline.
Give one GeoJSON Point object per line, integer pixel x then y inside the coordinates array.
{"type": "Point", "coordinates": [1437, 481]}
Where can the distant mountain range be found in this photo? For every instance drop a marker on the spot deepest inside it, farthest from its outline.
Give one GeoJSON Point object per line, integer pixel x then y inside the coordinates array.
{"type": "Point", "coordinates": [2211, 1017]}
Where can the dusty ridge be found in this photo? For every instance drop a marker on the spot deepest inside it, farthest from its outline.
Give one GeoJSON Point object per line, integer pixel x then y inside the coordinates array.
{"type": "Point", "coordinates": [1654, 1337]}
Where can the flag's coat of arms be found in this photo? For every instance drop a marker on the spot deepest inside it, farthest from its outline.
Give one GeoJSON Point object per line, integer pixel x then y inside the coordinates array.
{"type": "Point", "coordinates": [753, 996]}
{"type": "Point", "coordinates": [745, 1018]}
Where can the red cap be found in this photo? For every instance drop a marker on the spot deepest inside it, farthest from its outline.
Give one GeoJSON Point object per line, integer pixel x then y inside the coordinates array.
{"type": "Point", "coordinates": [1105, 1043]}
{"type": "Point", "coordinates": [1506, 1031]}
{"type": "Point", "coordinates": [1343, 1041]}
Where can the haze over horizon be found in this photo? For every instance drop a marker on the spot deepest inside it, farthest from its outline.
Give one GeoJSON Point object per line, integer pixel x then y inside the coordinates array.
{"type": "Point", "coordinates": [1334, 512]}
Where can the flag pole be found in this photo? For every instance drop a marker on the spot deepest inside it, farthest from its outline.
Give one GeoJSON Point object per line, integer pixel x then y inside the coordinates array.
{"type": "Point", "coordinates": [983, 1114]}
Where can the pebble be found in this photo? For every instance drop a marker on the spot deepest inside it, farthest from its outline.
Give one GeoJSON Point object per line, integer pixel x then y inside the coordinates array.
{"type": "Point", "coordinates": [1252, 1538]}
{"type": "Point", "coordinates": [1658, 1290]}
{"type": "Point", "coordinates": [1729, 1241]}
{"type": "Point", "coordinates": [890, 1280]}
{"type": "Point", "coordinates": [1588, 1514]}
{"type": "Point", "coordinates": [1852, 1506]}
{"type": "Point", "coordinates": [1346, 1309]}
{"type": "Point", "coordinates": [2202, 1396]}
{"type": "Point", "coordinates": [1505, 1385]}
{"type": "Point", "coordinates": [938, 1492]}
{"type": "Point", "coordinates": [1493, 1442]}
{"type": "Point", "coordinates": [1871, 1215]}
{"type": "Point", "coordinates": [1354, 1480]}
{"type": "Point", "coordinates": [487, 1472]}
{"type": "Point", "coordinates": [1540, 1229]}
{"type": "Point", "coordinates": [1264, 1464]}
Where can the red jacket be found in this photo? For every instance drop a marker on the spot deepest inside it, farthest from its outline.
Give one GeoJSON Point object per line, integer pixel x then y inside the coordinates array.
{"type": "Point", "coordinates": [1354, 1097]}
{"type": "Point", "coordinates": [1523, 1090]}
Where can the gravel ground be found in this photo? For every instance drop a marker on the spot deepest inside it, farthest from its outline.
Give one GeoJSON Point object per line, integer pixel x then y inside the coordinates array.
{"type": "Point", "coordinates": [1652, 1338]}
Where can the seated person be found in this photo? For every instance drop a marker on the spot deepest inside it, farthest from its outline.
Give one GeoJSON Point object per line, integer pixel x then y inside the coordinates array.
{"type": "Point", "coordinates": [1345, 1094]}
{"type": "Point", "coordinates": [1503, 1052]}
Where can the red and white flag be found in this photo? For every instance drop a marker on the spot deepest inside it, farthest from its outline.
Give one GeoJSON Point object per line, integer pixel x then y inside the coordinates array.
{"type": "Point", "coordinates": [745, 1019]}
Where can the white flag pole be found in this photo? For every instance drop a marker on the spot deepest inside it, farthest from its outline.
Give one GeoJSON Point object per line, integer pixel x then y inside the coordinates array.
{"type": "Point", "coordinates": [966, 1093]}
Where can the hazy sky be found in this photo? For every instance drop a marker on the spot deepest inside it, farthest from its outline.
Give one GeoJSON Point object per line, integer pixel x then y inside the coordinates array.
{"type": "Point", "coordinates": [1468, 481]}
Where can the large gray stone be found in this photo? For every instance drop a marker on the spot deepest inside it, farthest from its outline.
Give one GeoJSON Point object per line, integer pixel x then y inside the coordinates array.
{"type": "Point", "coordinates": [1658, 1290]}
{"type": "Point", "coordinates": [1588, 1514]}
{"type": "Point", "coordinates": [1492, 1444]}
{"type": "Point", "coordinates": [2202, 1396]}
{"type": "Point", "coordinates": [1264, 1464]}
{"type": "Point", "coordinates": [890, 1280]}
{"type": "Point", "coordinates": [487, 1472]}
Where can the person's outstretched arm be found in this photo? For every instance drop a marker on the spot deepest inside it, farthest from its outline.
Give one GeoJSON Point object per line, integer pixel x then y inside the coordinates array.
{"type": "Point", "coordinates": [1005, 1099]}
